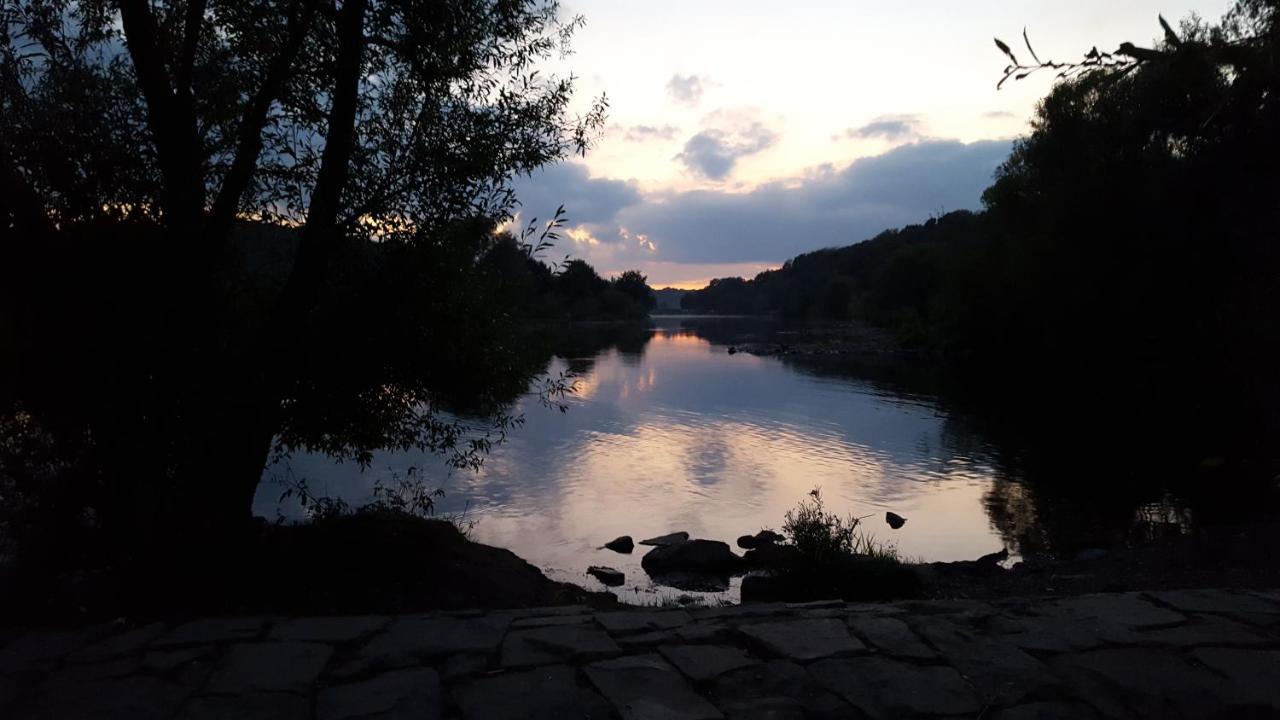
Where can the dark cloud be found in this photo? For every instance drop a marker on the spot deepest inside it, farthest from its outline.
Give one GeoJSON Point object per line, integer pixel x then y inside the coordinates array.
{"type": "Point", "coordinates": [887, 127]}
{"type": "Point", "coordinates": [586, 200]}
{"type": "Point", "coordinates": [645, 133]}
{"type": "Point", "coordinates": [827, 207]}
{"type": "Point", "coordinates": [686, 89]}
{"type": "Point", "coordinates": [713, 153]}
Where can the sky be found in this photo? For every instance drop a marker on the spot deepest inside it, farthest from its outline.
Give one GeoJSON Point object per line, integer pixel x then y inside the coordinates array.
{"type": "Point", "coordinates": [744, 132]}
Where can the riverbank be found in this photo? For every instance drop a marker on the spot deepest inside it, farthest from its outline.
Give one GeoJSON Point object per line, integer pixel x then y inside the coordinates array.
{"type": "Point", "coordinates": [367, 562]}
{"type": "Point", "coordinates": [1193, 654]}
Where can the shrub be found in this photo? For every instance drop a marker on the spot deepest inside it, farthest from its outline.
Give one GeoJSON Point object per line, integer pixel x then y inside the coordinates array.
{"type": "Point", "coordinates": [832, 557]}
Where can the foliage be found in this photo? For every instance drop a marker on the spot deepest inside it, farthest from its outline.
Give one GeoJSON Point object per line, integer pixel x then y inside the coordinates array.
{"type": "Point", "coordinates": [1130, 244]}
{"type": "Point", "coordinates": [824, 538]}
{"type": "Point", "coordinates": [571, 289]}
{"type": "Point", "coordinates": [240, 227]}
{"type": "Point", "coordinates": [829, 556]}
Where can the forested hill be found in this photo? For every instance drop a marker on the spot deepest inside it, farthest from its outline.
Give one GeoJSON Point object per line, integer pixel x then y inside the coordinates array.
{"type": "Point", "coordinates": [887, 279]}
{"type": "Point", "coordinates": [1130, 241]}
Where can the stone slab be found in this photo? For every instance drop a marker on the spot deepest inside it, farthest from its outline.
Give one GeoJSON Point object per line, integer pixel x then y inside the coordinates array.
{"type": "Point", "coordinates": [1216, 601]}
{"type": "Point", "coordinates": [1129, 610]}
{"type": "Point", "coordinates": [1252, 676]}
{"type": "Point", "coordinates": [555, 644]}
{"type": "Point", "coordinates": [413, 693]}
{"type": "Point", "coordinates": [137, 697]}
{"type": "Point", "coordinates": [645, 687]}
{"type": "Point", "coordinates": [269, 667]}
{"type": "Point", "coordinates": [629, 622]}
{"type": "Point", "coordinates": [256, 706]}
{"type": "Point", "coordinates": [704, 662]}
{"type": "Point", "coordinates": [805, 640]}
{"type": "Point", "coordinates": [213, 631]}
{"type": "Point", "coordinates": [771, 682]}
{"type": "Point", "coordinates": [332, 630]}
{"type": "Point", "coordinates": [1141, 682]}
{"type": "Point", "coordinates": [546, 693]}
{"type": "Point", "coordinates": [1002, 672]}
{"type": "Point", "coordinates": [891, 636]}
{"type": "Point", "coordinates": [409, 641]}
{"type": "Point", "coordinates": [884, 688]}
{"type": "Point", "coordinates": [127, 640]}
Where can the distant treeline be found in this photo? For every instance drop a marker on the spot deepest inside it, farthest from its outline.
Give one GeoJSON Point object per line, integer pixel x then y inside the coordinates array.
{"type": "Point", "coordinates": [572, 290]}
{"type": "Point", "coordinates": [1137, 227]}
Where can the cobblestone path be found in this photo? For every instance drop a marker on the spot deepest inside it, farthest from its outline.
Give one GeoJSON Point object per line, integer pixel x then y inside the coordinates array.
{"type": "Point", "coordinates": [1192, 654]}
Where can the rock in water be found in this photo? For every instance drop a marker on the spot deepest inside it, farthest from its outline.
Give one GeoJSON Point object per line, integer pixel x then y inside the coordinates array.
{"type": "Point", "coordinates": [895, 520]}
{"type": "Point", "coordinates": [622, 545]}
{"type": "Point", "coordinates": [768, 537]}
{"type": "Point", "coordinates": [733, 351]}
{"type": "Point", "coordinates": [764, 537]}
{"type": "Point", "coordinates": [607, 575]}
{"type": "Point", "coordinates": [994, 558]}
{"type": "Point", "coordinates": [664, 540]}
{"type": "Point", "coordinates": [705, 556]}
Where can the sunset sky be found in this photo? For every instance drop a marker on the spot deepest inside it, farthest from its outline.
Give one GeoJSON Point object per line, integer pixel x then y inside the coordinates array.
{"type": "Point", "coordinates": [743, 132]}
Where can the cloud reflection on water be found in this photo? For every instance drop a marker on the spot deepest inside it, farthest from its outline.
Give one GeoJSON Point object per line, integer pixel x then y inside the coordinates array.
{"type": "Point", "coordinates": [683, 436]}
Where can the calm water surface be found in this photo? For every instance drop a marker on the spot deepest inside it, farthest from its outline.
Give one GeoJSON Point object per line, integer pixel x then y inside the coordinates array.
{"type": "Point", "coordinates": [676, 434]}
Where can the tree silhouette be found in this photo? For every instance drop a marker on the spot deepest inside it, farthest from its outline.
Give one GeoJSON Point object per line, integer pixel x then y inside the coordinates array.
{"type": "Point", "coordinates": [234, 222]}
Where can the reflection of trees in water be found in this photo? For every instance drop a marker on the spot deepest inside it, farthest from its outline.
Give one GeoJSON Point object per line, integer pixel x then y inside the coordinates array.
{"type": "Point", "coordinates": [1012, 510]}
{"type": "Point", "coordinates": [1060, 483]}
{"type": "Point", "coordinates": [580, 344]}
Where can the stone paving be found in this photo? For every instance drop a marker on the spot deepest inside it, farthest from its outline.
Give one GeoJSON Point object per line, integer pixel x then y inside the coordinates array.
{"type": "Point", "coordinates": [1184, 654]}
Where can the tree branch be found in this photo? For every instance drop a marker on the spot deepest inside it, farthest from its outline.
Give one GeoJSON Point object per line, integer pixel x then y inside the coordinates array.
{"type": "Point", "coordinates": [319, 235]}
{"type": "Point", "coordinates": [190, 44]}
{"type": "Point", "coordinates": [177, 140]}
{"type": "Point", "coordinates": [249, 143]}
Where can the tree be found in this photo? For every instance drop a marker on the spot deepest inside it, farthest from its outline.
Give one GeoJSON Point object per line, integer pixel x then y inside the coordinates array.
{"type": "Point", "coordinates": [370, 143]}
{"type": "Point", "coordinates": [635, 285]}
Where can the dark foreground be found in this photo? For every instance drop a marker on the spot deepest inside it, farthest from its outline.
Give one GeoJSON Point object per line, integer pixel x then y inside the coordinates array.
{"type": "Point", "coordinates": [1166, 654]}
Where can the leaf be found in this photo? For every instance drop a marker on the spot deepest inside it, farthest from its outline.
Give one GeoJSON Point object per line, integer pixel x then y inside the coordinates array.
{"type": "Point", "coordinates": [1005, 49]}
{"type": "Point", "coordinates": [1169, 35]}
{"type": "Point", "coordinates": [1031, 50]}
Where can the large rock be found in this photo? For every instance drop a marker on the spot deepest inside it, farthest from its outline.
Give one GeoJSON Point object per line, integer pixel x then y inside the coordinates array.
{"type": "Point", "coordinates": [607, 575]}
{"type": "Point", "coordinates": [769, 555]}
{"type": "Point", "coordinates": [674, 538]}
{"type": "Point", "coordinates": [703, 556]}
{"type": "Point", "coordinates": [622, 545]}
{"type": "Point", "coordinates": [760, 539]}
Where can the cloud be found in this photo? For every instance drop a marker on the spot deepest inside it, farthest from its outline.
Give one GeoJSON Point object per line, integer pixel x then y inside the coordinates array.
{"type": "Point", "coordinates": [645, 133]}
{"type": "Point", "coordinates": [828, 207]}
{"type": "Point", "coordinates": [586, 200]}
{"type": "Point", "coordinates": [686, 89]}
{"type": "Point", "coordinates": [887, 127]}
{"type": "Point", "coordinates": [998, 115]}
{"type": "Point", "coordinates": [713, 153]}
{"type": "Point", "coordinates": [677, 236]}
